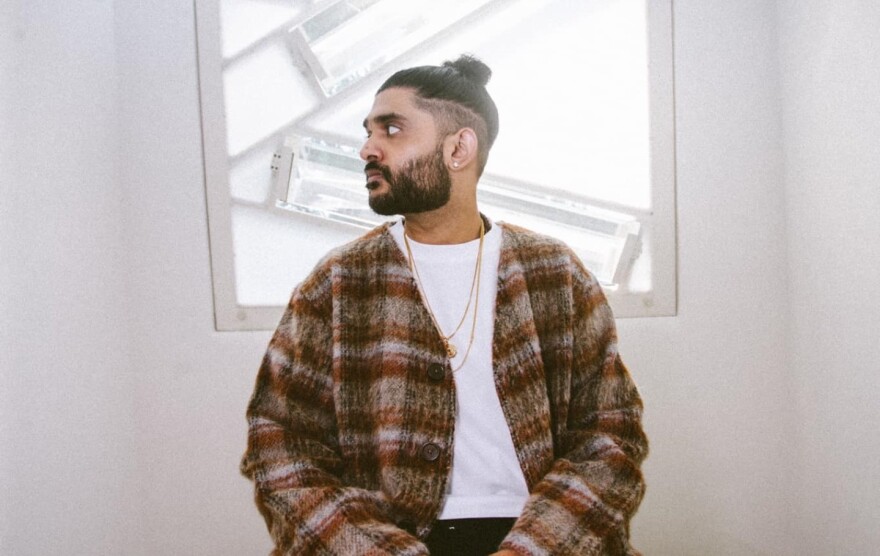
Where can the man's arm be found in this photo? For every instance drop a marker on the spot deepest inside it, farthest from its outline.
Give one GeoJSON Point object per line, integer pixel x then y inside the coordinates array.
{"type": "Point", "coordinates": [584, 503]}
{"type": "Point", "coordinates": [293, 456]}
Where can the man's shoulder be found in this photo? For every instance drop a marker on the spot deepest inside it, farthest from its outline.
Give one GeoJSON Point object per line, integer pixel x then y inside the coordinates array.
{"type": "Point", "coordinates": [353, 261]}
{"type": "Point", "coordinates": [525, 250]}
{"type": "Point", "coordinates": [529, 243]}
{"type": "Point", "coordinates": [371, 244]}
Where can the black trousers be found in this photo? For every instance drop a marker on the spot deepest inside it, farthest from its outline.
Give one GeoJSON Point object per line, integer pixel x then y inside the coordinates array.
{"type": "Point", "coordinates": [468, 537]}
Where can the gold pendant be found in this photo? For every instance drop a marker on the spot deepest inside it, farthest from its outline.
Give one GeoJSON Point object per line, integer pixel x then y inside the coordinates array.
{"type": "Point", "coordinates": [450, 349]}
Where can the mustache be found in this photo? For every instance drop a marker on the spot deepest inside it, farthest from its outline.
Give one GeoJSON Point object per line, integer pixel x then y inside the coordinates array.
{"type": "Point", "coordinates": [385, 170]}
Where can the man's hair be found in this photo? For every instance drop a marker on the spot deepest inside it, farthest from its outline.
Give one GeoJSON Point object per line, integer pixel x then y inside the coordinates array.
{"type": "Point", "coordinates": [455, 94]}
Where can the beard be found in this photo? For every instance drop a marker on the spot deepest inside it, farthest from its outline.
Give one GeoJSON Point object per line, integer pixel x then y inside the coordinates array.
{"type": "Point", "coordinates": [421, 185]}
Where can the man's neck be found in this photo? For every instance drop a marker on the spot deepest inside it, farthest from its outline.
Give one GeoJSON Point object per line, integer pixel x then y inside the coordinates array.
{"type": "Point", "coordinates": [444, 226]}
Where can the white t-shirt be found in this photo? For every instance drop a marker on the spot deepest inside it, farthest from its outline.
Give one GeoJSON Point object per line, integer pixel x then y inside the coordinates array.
{"type": "Point", "coordinates": [487, 480]}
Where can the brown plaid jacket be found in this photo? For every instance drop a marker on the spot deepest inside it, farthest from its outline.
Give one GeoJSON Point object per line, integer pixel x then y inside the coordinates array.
{"type": "Point", "coordinates": [351, 420]}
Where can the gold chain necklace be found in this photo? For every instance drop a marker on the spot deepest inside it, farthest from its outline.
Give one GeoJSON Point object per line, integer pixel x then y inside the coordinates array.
{"type": "Point", "coordinates": [451, 351]}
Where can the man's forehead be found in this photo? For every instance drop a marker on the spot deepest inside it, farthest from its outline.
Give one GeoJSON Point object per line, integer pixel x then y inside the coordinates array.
{"type": "Point", "coordinates": [396, 101]}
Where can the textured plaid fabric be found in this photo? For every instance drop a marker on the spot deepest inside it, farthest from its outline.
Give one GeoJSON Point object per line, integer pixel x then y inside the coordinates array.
{"type": "Point", "coordinates": [350, 436]}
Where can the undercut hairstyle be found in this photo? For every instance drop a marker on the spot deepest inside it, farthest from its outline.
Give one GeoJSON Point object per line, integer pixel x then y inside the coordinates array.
{"type": "Point", "coordinates": [455, 95]}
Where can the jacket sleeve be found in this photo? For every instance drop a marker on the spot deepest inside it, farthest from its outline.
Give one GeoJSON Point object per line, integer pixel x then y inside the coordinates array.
{"type": "Point", "coordinates": [583, 505]}
{"type": "Point", "coordinates": [293, 454]}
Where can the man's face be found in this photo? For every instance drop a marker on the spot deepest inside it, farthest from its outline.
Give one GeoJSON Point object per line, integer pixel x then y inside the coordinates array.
{"type": "Point", "coordinates": [406, 171]}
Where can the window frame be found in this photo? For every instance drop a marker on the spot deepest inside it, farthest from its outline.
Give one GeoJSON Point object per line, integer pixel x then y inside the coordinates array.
{"type": "Point", "coordinates": [660, 224]}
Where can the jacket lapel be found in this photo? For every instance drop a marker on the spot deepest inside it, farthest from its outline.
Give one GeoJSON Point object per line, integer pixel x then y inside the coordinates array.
{"type": "Point", "coordinates": [518, 365]}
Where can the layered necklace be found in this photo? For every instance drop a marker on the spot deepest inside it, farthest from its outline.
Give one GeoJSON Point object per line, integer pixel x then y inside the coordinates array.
{"type": "Point", "coordinates": [473, 298]}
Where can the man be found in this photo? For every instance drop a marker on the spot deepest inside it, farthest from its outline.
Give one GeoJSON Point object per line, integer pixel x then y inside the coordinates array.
{"type": "Point", "coordinates": [444, 383]}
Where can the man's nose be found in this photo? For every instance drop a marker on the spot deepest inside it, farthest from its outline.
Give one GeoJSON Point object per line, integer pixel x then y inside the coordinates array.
{"type": "Point", "coordinates": [369, 150]}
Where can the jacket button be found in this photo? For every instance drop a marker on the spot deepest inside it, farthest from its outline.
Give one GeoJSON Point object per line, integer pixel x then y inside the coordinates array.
{"type": "Point", "coordinates": [436, 372]}
{"type": "Point", "coordinates": [430, 452]}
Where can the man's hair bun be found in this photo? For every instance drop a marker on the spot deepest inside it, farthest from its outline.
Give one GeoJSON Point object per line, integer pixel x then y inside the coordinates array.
{"type": "Point", "coordinates": [471, 69]}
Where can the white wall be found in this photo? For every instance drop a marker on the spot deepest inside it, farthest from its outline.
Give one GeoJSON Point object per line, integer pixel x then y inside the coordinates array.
{"type": "Point", "coordinates": [831, 83]}
{"type": "Point", "coordinates": [135, 450]}
{"type": "Point", "coordinates": [66, 443]}
{"type": "Point", "coordinates": [193, 383]}
{"type": "Point", "coordinates": [7, 40]}
{"type": "Point", "coordinates": [714, 378]}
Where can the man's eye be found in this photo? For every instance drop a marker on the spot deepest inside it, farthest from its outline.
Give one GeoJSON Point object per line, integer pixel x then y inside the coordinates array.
{"type": "Point", "coordinates": [392, 129]}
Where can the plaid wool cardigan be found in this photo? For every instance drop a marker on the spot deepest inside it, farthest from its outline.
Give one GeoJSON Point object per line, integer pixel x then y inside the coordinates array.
{"type": "Point", "coordinates": [351, 421]}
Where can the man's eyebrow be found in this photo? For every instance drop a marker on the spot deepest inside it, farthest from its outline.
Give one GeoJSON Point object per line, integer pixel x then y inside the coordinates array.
{"type": "Point", "coordinates": [386, 118]}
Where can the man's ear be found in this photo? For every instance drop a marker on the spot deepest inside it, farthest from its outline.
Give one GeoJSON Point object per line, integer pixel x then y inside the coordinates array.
{"type": "Point", "coordinates": [461, 149]}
